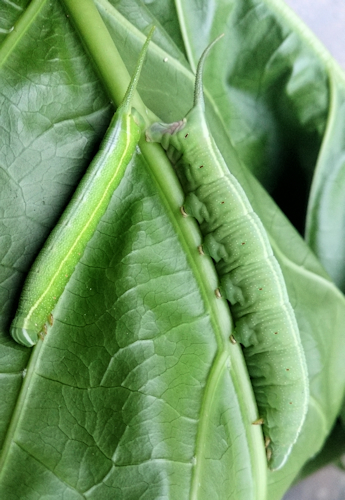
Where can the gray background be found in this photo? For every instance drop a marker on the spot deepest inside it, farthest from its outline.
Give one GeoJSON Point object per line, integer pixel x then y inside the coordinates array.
{"type": "Point", "coordinates": [326, 18]}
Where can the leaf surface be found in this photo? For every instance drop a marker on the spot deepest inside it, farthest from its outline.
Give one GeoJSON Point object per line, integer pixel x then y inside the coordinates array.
{"type": "Point", "coordinates": [136, 391]}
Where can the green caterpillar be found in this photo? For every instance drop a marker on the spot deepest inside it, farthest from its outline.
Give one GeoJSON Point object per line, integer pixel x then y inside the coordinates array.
{"type": "Point", "coordinates": [249, 275]}
{"type": "Point", "coordinates": [65, 245]}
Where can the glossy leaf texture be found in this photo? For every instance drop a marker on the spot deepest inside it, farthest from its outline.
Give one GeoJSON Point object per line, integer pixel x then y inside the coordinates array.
{"type": "Point", "coordinates": [136, 391]}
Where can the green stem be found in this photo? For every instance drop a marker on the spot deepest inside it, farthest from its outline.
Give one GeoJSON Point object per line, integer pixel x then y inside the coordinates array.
{"type": "Point", "coordinates": [103, 51]}
{"type": "Point", "coordinates": [20, 28]}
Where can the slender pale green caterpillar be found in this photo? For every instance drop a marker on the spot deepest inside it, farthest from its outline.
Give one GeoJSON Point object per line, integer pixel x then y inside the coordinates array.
{"type": "Point", "coordinates": [64, 247]}
{"type": "Point", "coordinates": [250, 277]}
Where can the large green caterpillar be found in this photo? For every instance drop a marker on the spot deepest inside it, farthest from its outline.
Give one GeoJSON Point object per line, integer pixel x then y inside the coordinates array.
{"type": "Point", "coordinates": [65, 245]}
{"type": "Point", "coordinates": [249, 275]}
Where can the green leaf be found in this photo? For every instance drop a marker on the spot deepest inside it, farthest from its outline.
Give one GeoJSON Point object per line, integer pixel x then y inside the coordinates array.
{"type": "Point", "coordinates": [136, 392]}
{"type": "Point", "coordinates": [325, 222]}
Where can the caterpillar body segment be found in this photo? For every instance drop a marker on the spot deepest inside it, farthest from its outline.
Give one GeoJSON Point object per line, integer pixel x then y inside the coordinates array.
{"type": "Point", "coordinates": [250, 277]}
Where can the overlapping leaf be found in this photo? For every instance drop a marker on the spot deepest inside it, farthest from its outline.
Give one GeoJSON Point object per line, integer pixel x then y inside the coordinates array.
{"type": "Point", "coordinates": [135, 393]}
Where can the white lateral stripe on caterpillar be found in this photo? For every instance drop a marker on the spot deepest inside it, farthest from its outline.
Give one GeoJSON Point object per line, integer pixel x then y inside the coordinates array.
{"type": "Point", "coordinates": [249, 274]}
{"type": "Point", "coordinates": [104, 196]}
{"type": "Point", "coordinates": [65, 245]}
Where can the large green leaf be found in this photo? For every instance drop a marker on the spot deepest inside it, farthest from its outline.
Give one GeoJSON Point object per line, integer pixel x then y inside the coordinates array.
{"type": "Point", "coordinates": [136, 391]}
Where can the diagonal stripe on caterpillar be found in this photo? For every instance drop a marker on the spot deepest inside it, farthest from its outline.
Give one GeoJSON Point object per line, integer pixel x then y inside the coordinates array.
{"type": "Point", "coordinates": [65, 245]}
{"type": "Point", "coordinates": [249, 274]}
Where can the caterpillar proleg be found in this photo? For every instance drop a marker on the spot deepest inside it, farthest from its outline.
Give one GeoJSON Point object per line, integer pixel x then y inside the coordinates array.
{"type": "Point", "coordinates": [250, 277]}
